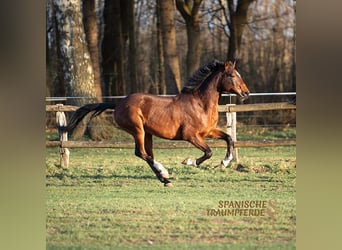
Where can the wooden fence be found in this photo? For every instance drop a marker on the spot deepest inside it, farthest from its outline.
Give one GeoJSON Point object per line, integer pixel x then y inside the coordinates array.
{"type": "Point", "coordinates": [229, 109]}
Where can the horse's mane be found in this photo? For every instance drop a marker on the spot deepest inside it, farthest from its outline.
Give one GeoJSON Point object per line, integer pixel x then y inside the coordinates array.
{"type": "Point", "coordinates": [199, 76]}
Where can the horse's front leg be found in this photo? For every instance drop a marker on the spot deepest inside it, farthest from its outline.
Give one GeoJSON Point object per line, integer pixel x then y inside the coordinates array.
{"type": "Point", "coordinates": [219, 134]}
{"type": "Point", "coordinates": [199, 143]}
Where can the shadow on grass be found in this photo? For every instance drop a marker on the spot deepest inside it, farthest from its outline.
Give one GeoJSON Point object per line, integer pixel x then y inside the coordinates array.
{"type": "Point", "coordinates": [59, 172]}
{"type": "Point", "coordinates": [204, 174]}
{"type": "Point", "coordinates": [115, 176]}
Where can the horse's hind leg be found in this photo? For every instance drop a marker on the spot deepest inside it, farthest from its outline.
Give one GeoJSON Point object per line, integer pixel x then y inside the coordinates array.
{"type": "Point", "coordinates": [149, 145]}
{"type": "Point", "coordinates": [156, 166]}
{"type": "Point", "coordinates": [143, 149]}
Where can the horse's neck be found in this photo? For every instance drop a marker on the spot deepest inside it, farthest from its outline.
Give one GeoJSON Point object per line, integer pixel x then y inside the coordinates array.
{"type": "Point", "coordinates": [209, 95]}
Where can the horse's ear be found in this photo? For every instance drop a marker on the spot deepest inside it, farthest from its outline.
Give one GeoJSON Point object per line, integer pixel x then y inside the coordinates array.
{"type": "Point", "coordinates": [229, 66]}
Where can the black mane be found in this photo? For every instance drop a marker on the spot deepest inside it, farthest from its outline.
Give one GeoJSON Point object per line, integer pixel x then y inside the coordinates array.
{"type": "Point", "coordinates": [197, 78]}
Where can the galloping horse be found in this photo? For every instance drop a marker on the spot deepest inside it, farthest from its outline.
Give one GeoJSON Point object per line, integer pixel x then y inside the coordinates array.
{"type": "Point", "coordinates": [191, 115]}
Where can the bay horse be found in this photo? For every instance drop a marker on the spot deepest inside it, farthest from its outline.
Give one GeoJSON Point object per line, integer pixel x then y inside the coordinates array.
{"type": "Point", "coordinates": [191, 115]}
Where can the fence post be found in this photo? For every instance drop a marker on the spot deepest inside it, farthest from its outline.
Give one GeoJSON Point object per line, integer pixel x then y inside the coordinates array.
{"type": "Point", "coordinates": [63, 136]}
{"type": "Point", "coordinates": [231, 129]}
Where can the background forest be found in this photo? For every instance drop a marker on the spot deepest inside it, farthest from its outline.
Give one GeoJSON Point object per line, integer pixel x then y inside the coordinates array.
{"type": "Point", "coordinates": [100, 48]}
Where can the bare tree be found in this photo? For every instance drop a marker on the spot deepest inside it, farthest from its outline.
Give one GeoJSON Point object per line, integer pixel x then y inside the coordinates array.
{"type": "Point", "coordinates": [171, 61]}
{"type": "Point", "coordinates": [91, 33]}
{"type": "Point", "coordinates": [119, 84]}
{"type": "Point", "coordinates": [113, 56]}
{"type": "Point", "coordinates": [54, 63]}
{"type": "Point", "coordinates": [76, 60]}
{"type": "Point", "coordinates": [190, 12]}
{"type": "Point", "coordinates": [271, 60]}
{"type": "Point", "coordinates": [107, 48]}
{"type": "Point", "coordinates": [129, 30]}
{"type": "Point", "coordinates": [77, 66]}
{"type": "Point", "coordinates": [236, 19]}
{"type": "Point", "coordinates": [161, 65]}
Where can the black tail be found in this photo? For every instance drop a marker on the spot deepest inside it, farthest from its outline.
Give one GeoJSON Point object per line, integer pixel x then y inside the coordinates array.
{"type": "Point", "coordinates": [80, 113]}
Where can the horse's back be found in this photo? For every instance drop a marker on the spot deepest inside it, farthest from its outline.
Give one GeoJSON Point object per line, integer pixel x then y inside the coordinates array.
{"type": "Point", "coordinates": [144, 102]}
{"type": "Point", "coordinates": [145, 110]}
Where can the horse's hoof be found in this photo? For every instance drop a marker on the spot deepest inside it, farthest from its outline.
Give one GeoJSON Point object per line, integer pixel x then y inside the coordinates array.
{"type": "Point", "coordinates": [185, 161]}
{"type": "Point", "coordinates": [189, 162]}
{"type": "Point", "coordinates": [169, 184]}
{"type": "Point", "coordinates": [222, 167]}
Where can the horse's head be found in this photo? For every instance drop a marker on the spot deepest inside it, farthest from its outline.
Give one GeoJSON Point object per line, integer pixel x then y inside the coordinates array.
{"type": "Point", "coordinates": [231, 82]}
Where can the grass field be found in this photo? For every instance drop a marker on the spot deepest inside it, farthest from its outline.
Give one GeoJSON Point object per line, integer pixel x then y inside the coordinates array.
{"type": "Point", "coordinates": [110, 199]}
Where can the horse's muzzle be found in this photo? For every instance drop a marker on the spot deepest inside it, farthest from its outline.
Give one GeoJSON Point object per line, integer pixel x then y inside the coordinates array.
{"type": "Point", "coordinates": [243, 96]}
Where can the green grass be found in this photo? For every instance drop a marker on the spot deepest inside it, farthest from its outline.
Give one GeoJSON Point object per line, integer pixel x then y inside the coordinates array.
{"type": "Point", "coordinates": [265, 133]}
{"type": "Point", "coordinates": [110, 199]}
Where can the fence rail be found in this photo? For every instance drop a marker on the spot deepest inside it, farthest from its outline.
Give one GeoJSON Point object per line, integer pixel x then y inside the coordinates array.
{"type": "Point", "coordinates": [221, 108]}
{"type": "Point", "coordinates": [166, 145]}
{"type": "Point", "coordinates": [229, 109]}
{"type": "Point", "coordinates": [256, 107]}
{"type": "Point", "coordinates": [65, 98]}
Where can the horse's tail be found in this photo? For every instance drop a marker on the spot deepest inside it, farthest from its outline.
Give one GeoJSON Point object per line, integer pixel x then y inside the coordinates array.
{"type": "Point", "coordinates": [80, 113]}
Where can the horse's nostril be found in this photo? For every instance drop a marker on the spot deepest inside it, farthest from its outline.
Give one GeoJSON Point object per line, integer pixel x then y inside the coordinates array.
{"type": "Point", "coordinates": [245, 94]}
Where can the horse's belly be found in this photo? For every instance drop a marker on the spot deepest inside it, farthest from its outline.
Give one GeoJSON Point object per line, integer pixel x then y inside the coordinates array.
{"type": "Point", "coordinates": [164, 129]}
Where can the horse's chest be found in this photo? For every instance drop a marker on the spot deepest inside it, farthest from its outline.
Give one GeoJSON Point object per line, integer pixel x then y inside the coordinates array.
{"type": "Point", "coordinates": [205, 121]}
{"type": "Point", "coordinates": [212, 117]}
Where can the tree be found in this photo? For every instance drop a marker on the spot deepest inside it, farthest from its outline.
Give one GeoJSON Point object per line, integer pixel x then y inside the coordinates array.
{"type": "Point", "coordinates": [270, 62]}
{"type": "Point", "coordinates": [160, 54]}
{"type": "Point", "coordinates": [171, 61]}
{"type": "Point", "coordinates": [129, 31]}
{"type": "Point", "coordinates": [113, 57]}
{"type": "Point", "coordinates": [77, 66]}
{"type": "Point", "coordinates": [190, 13]}
{"type": "Point", "coordinates": [236, 19]}
{"type": "Point", "coordinates": [54, 65]}
{"type": "Point", "coordinates": [91, 34]}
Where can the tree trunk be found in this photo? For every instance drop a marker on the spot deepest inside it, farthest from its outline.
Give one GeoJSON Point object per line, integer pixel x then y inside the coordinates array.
{"type": "Point", "coordinates": [161, 67]}
{"type": "Point", "coordinates": [119, 84]}
{"type": "Point", "coordinates": [233, 49]}
{"type": "Point", "coordinates": [172, 71]}
{"type": "Point", "coordinates": [113, 50]}
{"type": "Point", "coordinates": [54, 68]}
{"type": "Point", "coordinates": [238, 19]}
{"type": "Point", "coordinates": [91, 33]}
{"type": "Point", "coordinates": [191, 17]}
{"type": "Point", "coordinates": [128, 17]}
{"type": "Point", "coordinates": [77, 67]}
{"type": "Point", "coordinates": [107, 48]}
